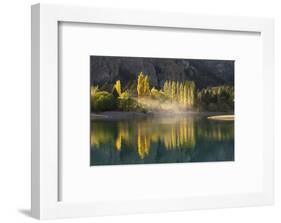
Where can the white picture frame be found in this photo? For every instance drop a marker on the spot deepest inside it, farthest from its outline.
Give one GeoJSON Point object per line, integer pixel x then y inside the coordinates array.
{"type": "Point", "coordinates": [45, 202]}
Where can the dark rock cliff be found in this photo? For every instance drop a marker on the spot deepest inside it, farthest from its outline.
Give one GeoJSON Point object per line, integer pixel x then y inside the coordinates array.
{"type": "Point", "coordinates": [205, 73]}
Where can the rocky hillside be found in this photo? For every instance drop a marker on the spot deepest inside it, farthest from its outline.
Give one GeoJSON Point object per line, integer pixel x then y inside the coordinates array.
{"type": "Point", "coordinates": [204, 72]}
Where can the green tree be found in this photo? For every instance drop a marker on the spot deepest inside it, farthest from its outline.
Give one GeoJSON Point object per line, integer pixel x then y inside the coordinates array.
{"type": "Point", "coordinates": [103, 101]}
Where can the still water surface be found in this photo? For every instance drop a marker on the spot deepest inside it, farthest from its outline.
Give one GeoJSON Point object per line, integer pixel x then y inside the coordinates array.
{"type": "Point", "coordinates": [161, 140]}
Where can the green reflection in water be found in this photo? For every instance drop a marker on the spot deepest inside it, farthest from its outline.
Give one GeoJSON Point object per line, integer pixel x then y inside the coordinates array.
{"type": "Point", "coordinates": [161, 140]}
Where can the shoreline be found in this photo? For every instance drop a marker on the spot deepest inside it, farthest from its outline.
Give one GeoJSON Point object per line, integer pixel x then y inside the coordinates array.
{"type": "Point", "coordinates": [222, 117]}
{"type": "Point", "coordinates": [113, 115]}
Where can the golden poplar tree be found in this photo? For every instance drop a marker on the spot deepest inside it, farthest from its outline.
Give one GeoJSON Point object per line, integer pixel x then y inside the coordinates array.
{"type": "Point", "coordinates": [140, 86]}
{"type": "Point", "coordinates": [181, 94]}
{"type": "Point", "coordinates": [146, 89]}
{"type": "Point", "coordinates": [185, 94]}
{"type": "Point", "coordinates": [143, 87]}
{"type": "Point", "coordinates": [188, 94]}
{"type": "Point", "coordinates": [166, 88]}
{"type": "Point", "coordinates": [193, 91]}
{"type": "Point", "coordinates": [178, 91]}
{"type": "Point", "coordinates": [170, 88]}
{"type": "Point", "coordinates": [118, 87]}
{"type": "Point", "coordinates": [173, 91]}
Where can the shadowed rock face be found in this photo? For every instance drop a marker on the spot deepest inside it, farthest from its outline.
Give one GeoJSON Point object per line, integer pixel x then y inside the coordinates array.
{"type": "Point", "coordinates": [205, 73]}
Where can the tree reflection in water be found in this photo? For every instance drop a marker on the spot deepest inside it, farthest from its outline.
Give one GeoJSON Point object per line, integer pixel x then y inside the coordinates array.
{"type": "Point", "coordinates": [161, 140]}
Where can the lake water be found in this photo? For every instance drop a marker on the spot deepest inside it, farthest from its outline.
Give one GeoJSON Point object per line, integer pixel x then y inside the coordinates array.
{"type": "Point", "coordinates": [177, 139]}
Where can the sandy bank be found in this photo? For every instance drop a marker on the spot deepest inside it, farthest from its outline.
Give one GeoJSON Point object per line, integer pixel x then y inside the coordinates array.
{"type": "Point", "coordinates": [222, 117]}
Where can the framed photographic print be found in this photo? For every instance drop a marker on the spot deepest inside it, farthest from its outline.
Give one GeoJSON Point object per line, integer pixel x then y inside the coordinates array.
{"type": "Point", "coordinates": [136, 111]}
{"type": "Point", "coordinates": [155, 110]}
